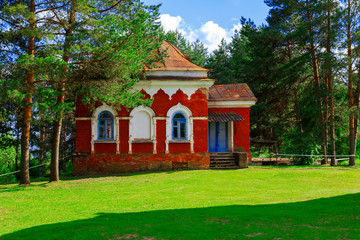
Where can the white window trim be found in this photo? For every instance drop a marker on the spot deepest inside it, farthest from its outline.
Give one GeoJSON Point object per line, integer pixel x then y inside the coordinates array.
{"type": "Point", "coordinates": [152, 126]}
{"type": "Point", "coordinates": [94, 127]}
{"type": "Point", "coordinates": [189, 125]}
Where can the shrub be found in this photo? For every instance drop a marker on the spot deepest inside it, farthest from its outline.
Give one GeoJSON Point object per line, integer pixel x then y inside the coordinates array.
{"type": "Point", "coordinates": [7, 164]}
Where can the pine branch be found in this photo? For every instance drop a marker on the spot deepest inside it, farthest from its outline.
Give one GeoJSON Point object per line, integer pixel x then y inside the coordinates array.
{"type": "Point", "coordinates": [55, 13]}
{"type": "Point", "coordinates": [48, 19]}
{"type": "Point", "coordinates": [100, 60]}
{"type": "Point", "coordinates": [47, 45]}
{"type": "Point", "coordinates": [38, 5]}
{"type": "Point", "coordinates": [91, 61]}
{"type": "Point", "coordinates": [10, 23]}
{"type": "Point", "coordinates": [109, 8]}
{"type": "Point", "coordinates": [52, 8]}
{"type": "Point", "coordinates": [4, 50]}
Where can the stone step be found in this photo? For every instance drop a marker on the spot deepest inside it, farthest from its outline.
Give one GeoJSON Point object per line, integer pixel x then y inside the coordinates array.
{"type": "Point", "coordinates": [223, 164]}
{"type": "Point", "coordinates": [222, 159]}
{"type": "Point", "coordinates": [221, 154]}
{"type": "Point", "coordinates": [227, 161]}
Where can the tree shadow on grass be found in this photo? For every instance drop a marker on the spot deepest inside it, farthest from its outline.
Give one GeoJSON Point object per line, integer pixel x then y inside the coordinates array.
{"type": "Point", "coordinates": [327, 218]}
{"type": "Point", "coordinates": [128, 174]}
{"type": "Point", "coordinates": [18, 188]}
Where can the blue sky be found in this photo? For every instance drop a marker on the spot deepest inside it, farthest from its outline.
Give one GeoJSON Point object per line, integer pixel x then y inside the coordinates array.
{"type": "Point", "coordinates": [209, 20]}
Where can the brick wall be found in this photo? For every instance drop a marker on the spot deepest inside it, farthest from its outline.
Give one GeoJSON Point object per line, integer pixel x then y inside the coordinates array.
{"type": "Point", "coordinates": [105, 160]}
{"type": "Point", "coordinates": [93, 164]}
{"type": "Point", "coordinates": [83, 136]}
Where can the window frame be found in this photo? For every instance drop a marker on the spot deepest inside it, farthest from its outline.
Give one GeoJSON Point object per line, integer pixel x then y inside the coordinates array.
{"type": "Point", "coordinates": [189, 124]}
{"type": "Point", "coordinates": [132, 125]}
{"type": "Point", "coordinates": [105, 126]}
{"type": "Point", "coordinates": [179, 122]}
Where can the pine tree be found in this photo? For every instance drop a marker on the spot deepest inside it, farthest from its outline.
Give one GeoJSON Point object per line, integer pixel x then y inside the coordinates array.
{"type": "Point", "coordinates": [219, 64]}
{"type": "Point", "coordinates": [350, 10]}
{"type": "Point", "coordinates": [102, 54]}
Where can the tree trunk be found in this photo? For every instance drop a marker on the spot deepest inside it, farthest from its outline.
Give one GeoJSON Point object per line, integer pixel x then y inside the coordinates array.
{"type": "Point", "coordinates": [325, 134]}
{"type": "Point", "coordinates": [42, 150]}
{"type": "Point", "coordinates": [54, 165]}
{"type": "Point", "coordinates": [64, 155]}
{"type": "Point", "coordinates": [316, 74]}
{"type": "Point", "coordinates": [356, 121]}
{"type": "Point", "coordinates": [332, 125]}
{"type": "Point", "coordinates": [296, 92]}
{"type": "Point", "coordinates": [54, 168]}
{"type": "Point", "coordinates": [16, 153]}
{"type": "Point", "coordinates": [352, 136]}
{"type": "Point", "coordinates": [330, 85]}
{"type": "Point", "coordinates": [25, 136]}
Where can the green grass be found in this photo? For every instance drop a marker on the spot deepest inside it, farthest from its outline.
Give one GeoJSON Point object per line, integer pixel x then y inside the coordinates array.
{"type": "Point", "coordinates": [254, 203]}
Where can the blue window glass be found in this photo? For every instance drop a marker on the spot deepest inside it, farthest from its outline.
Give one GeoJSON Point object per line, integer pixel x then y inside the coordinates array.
{"type": "Point", "coordinates": [106, 126]}
{"type": "Point", "coordinates": [179, 126]}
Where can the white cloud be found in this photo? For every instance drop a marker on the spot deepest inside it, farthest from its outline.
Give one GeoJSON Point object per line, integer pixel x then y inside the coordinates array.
{"type": "Point", "coordinates": [170, 23]}
{"type": "Point", "coordinates": [236, 27]}
{"type": "Point", "coordinates": [213, 34]}
{"type": "Point", "coordinates": [209, 33]}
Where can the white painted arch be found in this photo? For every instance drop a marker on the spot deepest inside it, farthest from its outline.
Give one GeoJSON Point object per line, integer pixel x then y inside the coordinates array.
{"type": "Point", "coordinates": [95, 121]}
{"type": "Point", "coordinates": [170, 87]}
{"type": "Point", "coordinates": [94, 126]}
{"type": "Point", "coordinates": [189, 124]}
{"type": "Point", "coordinates": [142, 124]}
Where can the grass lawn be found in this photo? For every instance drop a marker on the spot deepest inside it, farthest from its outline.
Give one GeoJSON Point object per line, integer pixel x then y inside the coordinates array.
{"type": "Point", "coordinates": [254, 203]}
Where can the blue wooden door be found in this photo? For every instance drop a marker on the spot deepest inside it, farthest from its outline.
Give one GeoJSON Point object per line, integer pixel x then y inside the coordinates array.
{"type": "Point", "coordinates": [212, 136]}
{"type": "Point", "coordinates": [218, 137]}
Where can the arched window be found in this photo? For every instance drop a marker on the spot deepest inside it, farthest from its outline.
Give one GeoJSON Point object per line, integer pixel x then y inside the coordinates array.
{"type": "Point", "coordinates": [179, 123]}
{"type": "Point", "coordinates": [179, 131]}
{"type": "Point", "coordinates": [105, 126]}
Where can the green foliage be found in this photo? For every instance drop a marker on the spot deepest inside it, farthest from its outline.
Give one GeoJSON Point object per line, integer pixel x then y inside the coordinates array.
{"type": "Point", "coordinates": [7, 164]}
{"type": "Point", "coordinates": [219, 64]}
{"type": "Point", "coordinates": [257, 152]}
{"type": "Point", "coordinates": [277, 62]}
{"type": "Point", "coordinates": [122, 43]}
{"type": "Point", "coordinates": [300, 144]}
{"type": "Point", "coordinates": [178, 40]}
{"type": "Point", "coordinates": [197, 52]}
{"type": "Point", "coordinates": [346, 163]}
{"type": "Point", "coordinates": [95, 49]}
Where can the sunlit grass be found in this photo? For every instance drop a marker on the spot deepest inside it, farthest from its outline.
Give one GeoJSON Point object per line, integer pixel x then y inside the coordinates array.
{"type": "Point", "coordinates": [263, 203]}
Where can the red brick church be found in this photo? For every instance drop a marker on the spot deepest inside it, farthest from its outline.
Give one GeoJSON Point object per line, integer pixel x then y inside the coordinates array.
{"type": "Point", "coordinates": [190, 120]}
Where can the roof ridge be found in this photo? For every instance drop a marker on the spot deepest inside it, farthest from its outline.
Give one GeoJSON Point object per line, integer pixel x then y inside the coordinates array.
{"type": "Point", "coordinates": [184, 56]}
{"type": "Point", "coordinates": [239, 92]}
{"type": "Point", "coordinates": [177, 49]}
{"type": "Point", "coordinates": [227, 90]}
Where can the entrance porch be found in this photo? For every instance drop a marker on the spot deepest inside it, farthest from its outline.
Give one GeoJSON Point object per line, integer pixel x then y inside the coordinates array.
{"type": "Point", "coordinates": [221, 142]}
